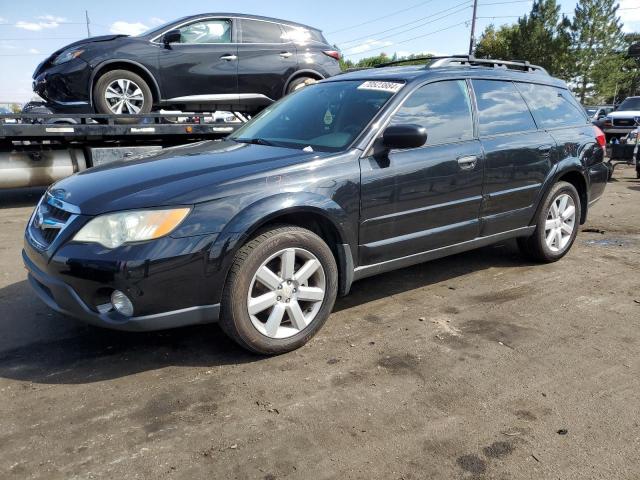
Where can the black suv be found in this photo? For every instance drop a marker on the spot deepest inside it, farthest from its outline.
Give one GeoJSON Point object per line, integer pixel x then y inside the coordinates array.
{"type": "Point", "coordinates": [353, 176]}
{"type": "Point", "coordinates": [221, 61]}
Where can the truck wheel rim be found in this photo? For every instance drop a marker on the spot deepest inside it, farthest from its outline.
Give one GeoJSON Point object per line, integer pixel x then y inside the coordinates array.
{"type": "Point", "coordinates": [286, 293]}
{"type": "Point", "coordinates": [561, 221]}
{"type": "Point", "coordinates": [124, 97]}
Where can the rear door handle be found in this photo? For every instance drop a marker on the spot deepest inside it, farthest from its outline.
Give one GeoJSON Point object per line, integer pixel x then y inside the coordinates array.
{"type": "Point", "coordinates": [468, 162]}
{"type": "Point", "coordinates": [229, 58]}
{"type": "Point", "coordinates": [286, 54]}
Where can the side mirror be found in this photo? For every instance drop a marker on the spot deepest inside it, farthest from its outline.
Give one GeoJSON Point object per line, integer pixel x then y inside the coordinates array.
{"type": "Point", "coordinates": [404, 136]}
{"type": "Point", "coordinates": [172, 36]}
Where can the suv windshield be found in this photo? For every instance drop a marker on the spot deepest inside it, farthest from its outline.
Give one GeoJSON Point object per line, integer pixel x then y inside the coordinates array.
{"type": "Point", "coordinates": [630, 104]}
{"type": "Point", "coordinates": [325, 117]}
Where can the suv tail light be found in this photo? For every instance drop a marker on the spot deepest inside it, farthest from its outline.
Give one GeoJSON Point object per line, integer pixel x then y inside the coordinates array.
{"type": "Point", "coordinates": [333, 54]}
{"type": "Point", "coordinates": [600, 137]}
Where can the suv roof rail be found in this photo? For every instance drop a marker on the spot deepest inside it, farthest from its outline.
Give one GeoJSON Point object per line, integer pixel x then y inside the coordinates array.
{"type": "Point", "coordinates": [449, 60]}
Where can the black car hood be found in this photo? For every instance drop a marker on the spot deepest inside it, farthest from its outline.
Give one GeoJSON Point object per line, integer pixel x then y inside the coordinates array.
{"type": "Point", "coordinates": [178, 176]}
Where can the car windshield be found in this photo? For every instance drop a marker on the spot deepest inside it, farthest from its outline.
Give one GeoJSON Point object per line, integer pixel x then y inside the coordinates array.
{"type": "Point", "coordinates": [323, 117]}
{"type": "Point", "coordinates": [630, 104]}
{"type": "Point", "coordinates": [159, 28]}
{"type": "Point", "coordinates": [591, 111]}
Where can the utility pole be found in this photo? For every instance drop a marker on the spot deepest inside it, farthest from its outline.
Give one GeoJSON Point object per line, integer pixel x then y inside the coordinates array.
{"type": "Point", "coordinates": [473, 27]}
{"type": "Point", "coordinates": [86, 16]}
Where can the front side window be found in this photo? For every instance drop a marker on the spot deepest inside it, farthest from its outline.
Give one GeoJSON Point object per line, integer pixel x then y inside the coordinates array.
{"type": "Point", "coordinates": [256, 31]}
{"type": "Point", "coordinates": [551, 106]}
{"type": "Point", "coordinates": [323, 117]}
{"type": "Point", "coordinates": [501, 108]}
{"type": "Point", "coordinates": [207, 31]}
{"type": "Point", "coordinates": [442, 108]}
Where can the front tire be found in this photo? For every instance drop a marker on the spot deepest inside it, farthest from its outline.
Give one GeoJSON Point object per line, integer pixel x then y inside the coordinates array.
{"type": "Point", "coordinates": [556, 227]}
{"type": "Point", "coordinates": [122, 92]}
{"type": "Point", "coordinates": [280, 290]}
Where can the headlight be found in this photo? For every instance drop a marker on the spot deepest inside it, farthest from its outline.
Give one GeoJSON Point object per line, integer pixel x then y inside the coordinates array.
{"type": "Point", "coordinates": [67, 55]}
{"type": "Point", "coordinates": [115, 229]}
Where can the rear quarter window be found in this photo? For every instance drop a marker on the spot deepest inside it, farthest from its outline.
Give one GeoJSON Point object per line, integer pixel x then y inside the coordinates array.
{"type": "Point", "coordinates": [552, 107]}
{"type": "Point", "coordinates": [501, 108]}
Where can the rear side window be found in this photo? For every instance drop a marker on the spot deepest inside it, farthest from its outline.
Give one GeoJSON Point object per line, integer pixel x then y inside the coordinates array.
{"type": "Point", "coordinates": [551, 106]}
{"type": "Point", "coordinates": [302, 35]}
{"type": "Point", "coordinates": [256, 31]}
{"type": "Point", "coordinates": [443, 108]}
{"type": "Point", "coordinates": [501, 108]}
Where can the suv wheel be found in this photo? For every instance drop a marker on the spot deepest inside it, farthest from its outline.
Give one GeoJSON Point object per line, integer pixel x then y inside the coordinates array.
{"type": "Point", "coordinates": [299, 83]}
{"type": "Point", "coordinates": [122, 92]}
{"type": "Point", "coordinates": [280, 290]}
{"type": "Point", "coordinates": [557, 225]}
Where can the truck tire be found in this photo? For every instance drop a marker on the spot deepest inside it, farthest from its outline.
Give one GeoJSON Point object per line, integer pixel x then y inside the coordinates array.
{"type": "Point", "coordinates": [280, 290]}
{"type": "Point", "coordinates": [122, 92]}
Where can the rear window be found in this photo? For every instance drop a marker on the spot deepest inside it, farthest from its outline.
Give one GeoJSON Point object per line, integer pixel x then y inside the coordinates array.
{"type": "Point", "coordinates": [501, 108]}
{"type": "Point", "coordinates": [551, 106]}
{"type": "Point", "coordinates": [257, 31]}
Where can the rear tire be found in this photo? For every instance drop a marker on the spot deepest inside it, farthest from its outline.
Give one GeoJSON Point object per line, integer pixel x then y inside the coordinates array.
{"type": "Point", "coordinates": [299, 83]}
{"type": "Point", "coordinates": [556, 225]}
{"type": "Point", "coordinates": [122, 92]}
{"type": "Point", "coordinates": [271, 304]}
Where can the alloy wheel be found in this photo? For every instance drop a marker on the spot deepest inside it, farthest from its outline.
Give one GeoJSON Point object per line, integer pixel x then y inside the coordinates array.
{"type": "Point", "coordinates": [124, 97]}
{"type": "Point", "coordinates": [286, 293]}
{"type": "Point", "coordinates": [561, 221]}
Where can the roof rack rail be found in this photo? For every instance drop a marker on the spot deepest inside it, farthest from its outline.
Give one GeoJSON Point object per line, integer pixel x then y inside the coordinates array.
{"type": "Point", "coordinates": [446, 61]}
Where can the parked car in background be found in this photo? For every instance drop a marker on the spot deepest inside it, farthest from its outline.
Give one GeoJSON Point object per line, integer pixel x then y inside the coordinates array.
{"type": "Point", "coordinates": [623, 119]}
{"type": "Point", "coordinates": [598, 113]}
{"type": "Point", "coordinates": [217, 61]}
{"type": "Point", "coordinates": [354, 176]}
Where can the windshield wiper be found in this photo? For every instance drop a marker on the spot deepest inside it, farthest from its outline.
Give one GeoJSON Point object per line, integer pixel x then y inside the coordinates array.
{"type": "Point", "coordinates": [255, 141]}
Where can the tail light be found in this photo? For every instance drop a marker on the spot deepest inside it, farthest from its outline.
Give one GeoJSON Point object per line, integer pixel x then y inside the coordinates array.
{"type": "Point", "coordinates": [333, 54]}
{"type": "Point", "coordinates": [600, 137]}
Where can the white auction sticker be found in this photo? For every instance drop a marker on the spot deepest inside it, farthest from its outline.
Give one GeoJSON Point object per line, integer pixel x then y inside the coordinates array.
{"type": "Point", "coordinates": [392, 87]}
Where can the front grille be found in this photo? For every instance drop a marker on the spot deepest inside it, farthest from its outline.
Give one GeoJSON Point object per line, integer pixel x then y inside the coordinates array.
{"type": "Point", "coordinates": [623, 122]}
{"type": "Point", "coordinates": [47, 222]}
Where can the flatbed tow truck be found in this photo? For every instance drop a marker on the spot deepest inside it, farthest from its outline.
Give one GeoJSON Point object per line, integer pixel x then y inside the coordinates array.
{"type": "Point", "coordinates": [37, 149]}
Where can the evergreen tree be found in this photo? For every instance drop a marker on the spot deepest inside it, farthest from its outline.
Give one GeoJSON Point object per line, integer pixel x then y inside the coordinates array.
{"type": "Point", "coordinates": [600, 61]}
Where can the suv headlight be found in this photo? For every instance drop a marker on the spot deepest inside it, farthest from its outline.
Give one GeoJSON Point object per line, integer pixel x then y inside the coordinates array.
{"type": "Point", "coordinates": [114, 229]}
{"type": "Point", "coordinates": [68, 55]}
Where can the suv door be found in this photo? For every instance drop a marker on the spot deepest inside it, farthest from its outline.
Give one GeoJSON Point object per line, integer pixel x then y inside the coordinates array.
{"type": "Point", "coordinates": [266, 60]}
{"type": "Point", "coordinates": [204, 62]}
{"type": "Point", "coordinates": [518, 156]}
{"type": "Point", "coordinates": [425, 198]}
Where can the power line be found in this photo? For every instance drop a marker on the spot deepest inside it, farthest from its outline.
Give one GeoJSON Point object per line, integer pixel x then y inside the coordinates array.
{"type": "Point", "coordinates": [404, 24]}
{"type": "Point", "coordinates": [381, 18]}
{"type": "Point", "coordinates": [411, 39]}
{"type": "Point", "coordinates": [417, 26]}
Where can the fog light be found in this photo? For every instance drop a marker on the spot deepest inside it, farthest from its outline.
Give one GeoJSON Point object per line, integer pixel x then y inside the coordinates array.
{"type": "Point", "coordinates": [121, 303]}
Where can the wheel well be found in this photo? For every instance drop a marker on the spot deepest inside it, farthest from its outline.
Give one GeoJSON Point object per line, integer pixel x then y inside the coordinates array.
{"type": "Point", "coordinates": [314, 75]}
{"type": "Point", "coordinates": [132, 67]}
{"type": "Point", "coordinates": [577, 180]}
{"type": "Point", "coordinates": [319, 225]}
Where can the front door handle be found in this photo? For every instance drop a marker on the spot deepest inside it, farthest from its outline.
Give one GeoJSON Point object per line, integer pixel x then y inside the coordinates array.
{"type": "Point", "coordinates": [468, 162]}
{"type": "Point", "coordinates": [229, 58]}
{"type": "Point", "coordinates": [286, 54]}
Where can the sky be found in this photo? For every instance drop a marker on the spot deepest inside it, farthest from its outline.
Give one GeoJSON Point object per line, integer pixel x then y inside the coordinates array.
{"type": "Point", "coordinates": [30, 30]}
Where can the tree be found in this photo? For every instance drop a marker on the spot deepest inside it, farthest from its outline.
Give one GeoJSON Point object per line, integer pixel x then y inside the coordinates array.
{"type": "Point", "coordinates": [542, 38]}
{"type": "Point", "coordinates": [15, 108]}
{"type": "Point", "coordinates": [601, 64]}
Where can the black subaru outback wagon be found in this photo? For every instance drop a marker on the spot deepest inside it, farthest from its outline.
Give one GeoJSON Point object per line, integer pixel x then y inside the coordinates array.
{"type": "Point", "coordinates": [223, 61]}
{"type": "Point", "coordinates": [353, 176]}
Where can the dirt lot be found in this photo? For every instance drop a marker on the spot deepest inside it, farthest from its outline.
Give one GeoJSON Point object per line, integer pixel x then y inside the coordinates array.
{"type": "Point", "coordinates": [476, 366]}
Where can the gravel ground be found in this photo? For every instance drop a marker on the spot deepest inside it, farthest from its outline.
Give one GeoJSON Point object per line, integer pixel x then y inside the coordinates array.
{"type": "Point", "coordinates": [476, 366]}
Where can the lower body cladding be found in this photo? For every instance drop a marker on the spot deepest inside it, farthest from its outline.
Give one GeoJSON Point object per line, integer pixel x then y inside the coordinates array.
{"type": "Point", "coordinates": [177, 284]}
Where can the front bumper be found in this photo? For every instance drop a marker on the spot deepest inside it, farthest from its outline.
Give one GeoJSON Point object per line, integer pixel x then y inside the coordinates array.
{"type": "Point", "coordinates": [62, 298]}
{"type": "Point", "coordinates": [65, 87]}
{"type": "Point", "coordinates": [168, 281]}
